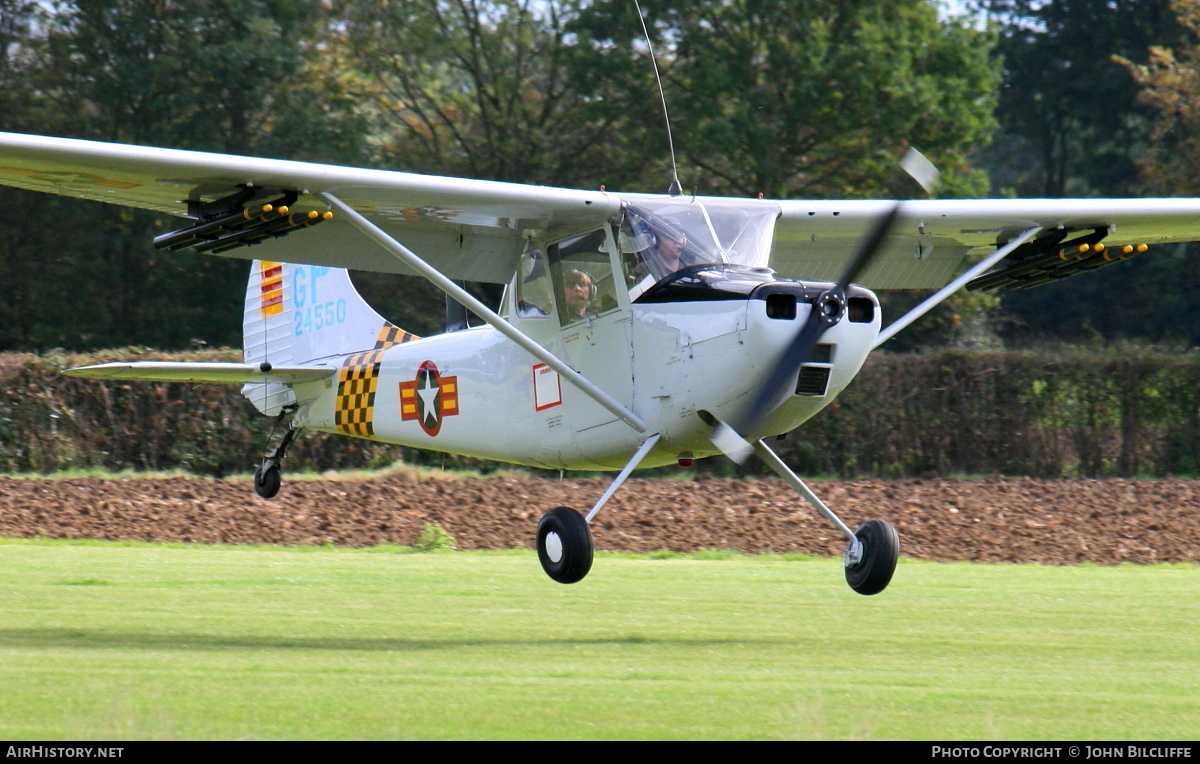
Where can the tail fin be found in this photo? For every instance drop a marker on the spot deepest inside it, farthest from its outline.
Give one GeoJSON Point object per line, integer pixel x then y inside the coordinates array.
{"type": "Point", "coordinates": [300, 313]}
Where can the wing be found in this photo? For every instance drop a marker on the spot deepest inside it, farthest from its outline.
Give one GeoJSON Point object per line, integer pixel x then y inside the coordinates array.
{"type": "Point", "coordinates": [476, 230]}
{"type": "Point", "coordinates": [467, 229]}
{"type": "Point", "coordinates": [814, 240]}
{"type": "Point", "coordinates": [222, 373]}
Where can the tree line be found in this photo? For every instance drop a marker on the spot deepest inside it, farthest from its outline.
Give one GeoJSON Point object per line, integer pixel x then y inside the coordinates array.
{"type": "Point", "coordinates": [789, 99]}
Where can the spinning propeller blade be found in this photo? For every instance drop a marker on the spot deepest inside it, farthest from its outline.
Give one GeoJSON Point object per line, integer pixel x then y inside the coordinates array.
{"type": "Point", "coordinates": [731, 444]}
{"type": "Point", "coordinates": [827, 310]}
{"type": "Point", "coordinates": [920, 169]}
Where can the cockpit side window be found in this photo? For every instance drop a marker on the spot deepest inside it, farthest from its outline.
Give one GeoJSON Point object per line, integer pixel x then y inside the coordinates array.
{"type": "Point", "coordinates": [583, 275]}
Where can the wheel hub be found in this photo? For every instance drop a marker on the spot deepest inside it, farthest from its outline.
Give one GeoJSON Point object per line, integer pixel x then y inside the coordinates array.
{"type": "Point", "coordinates": [854, 553]}
{"type": "Point", "coordinates": [554, 547]}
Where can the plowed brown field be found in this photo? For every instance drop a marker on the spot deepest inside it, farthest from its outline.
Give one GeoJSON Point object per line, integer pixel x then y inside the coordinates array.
{"type": "Point", "coordinates": [1009, 520]}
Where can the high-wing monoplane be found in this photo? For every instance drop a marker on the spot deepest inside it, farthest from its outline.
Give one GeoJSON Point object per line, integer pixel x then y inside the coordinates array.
{"type": "Point", "coordinates": [636, 330]}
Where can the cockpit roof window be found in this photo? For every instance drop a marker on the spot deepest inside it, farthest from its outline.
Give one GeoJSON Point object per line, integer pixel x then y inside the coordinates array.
{"type": "Point", "coordinates": [713, 230]}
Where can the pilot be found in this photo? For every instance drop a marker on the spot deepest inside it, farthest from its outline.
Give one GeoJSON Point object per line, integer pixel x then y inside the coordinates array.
{"type": "Point", "coordinates": [578, 291]}
{"type": "Point", "coordinates": [659, 260]}
{"type": "Point", "coordinates": [668, 253]}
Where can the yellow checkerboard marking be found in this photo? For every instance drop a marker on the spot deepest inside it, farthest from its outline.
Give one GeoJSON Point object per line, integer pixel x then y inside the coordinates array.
{"type": "Point", "coordinates": [354, 405]}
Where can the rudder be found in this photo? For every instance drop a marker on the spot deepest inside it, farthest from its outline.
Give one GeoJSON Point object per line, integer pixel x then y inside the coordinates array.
{"type": "Point", "coordinates": [300, 313]}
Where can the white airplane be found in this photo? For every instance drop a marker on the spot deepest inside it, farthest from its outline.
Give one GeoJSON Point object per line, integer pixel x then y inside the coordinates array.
{"type": "Point", "coordinates": [636, 330]}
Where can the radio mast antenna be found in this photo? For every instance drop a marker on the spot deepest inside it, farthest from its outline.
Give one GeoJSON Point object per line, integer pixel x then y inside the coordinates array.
{"type": "Point", "coordinates": [676, 187]}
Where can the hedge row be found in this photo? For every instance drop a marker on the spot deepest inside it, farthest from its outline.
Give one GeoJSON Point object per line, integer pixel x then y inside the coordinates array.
{"type": "Point", "coordinates": [1070, 413]}
{"type": "Point", "coordinates": [1095, 413]}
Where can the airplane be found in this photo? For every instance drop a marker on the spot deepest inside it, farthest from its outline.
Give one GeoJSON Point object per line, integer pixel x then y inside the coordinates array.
{"type": "Point", "coordinates": [636, 330]}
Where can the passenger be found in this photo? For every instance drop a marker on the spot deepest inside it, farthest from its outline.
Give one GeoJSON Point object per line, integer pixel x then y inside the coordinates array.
{"type": "Point", "coordinates": [578, 292]}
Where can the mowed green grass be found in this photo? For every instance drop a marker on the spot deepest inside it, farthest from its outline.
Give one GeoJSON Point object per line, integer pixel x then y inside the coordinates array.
{"type": "Point", "coordinates": [109, 641]}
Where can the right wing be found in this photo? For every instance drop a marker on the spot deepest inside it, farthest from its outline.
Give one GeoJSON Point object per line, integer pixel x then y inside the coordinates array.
{"type": "Point", "coordinates": [467, 229]}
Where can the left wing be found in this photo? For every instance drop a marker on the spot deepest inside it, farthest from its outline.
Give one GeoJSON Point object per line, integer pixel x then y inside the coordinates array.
{"type": "Point", "coordinates": [467, 229]}
{"type": "Point", "coordinates": [814, 240]}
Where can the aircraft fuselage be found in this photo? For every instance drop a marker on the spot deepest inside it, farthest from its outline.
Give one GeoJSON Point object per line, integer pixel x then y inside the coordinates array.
{"type": "Point", "coordinates": [474, 392]}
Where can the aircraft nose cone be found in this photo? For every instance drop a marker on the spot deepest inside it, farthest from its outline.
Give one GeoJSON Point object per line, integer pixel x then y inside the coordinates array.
{"type": "Point", "coordinates": [831, 305]}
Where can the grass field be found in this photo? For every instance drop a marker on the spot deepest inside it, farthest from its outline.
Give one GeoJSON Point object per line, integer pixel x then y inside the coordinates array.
{"type": "Point", "coordinates": [109, 641]}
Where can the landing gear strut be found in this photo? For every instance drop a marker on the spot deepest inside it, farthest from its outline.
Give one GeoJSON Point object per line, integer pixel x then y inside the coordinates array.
{"type": "Point", "coordinates": [268, 477]}
{"type": "Point", "coordinates": [564, 538]}
{"type": "Point", "coordinates": [874, 547]}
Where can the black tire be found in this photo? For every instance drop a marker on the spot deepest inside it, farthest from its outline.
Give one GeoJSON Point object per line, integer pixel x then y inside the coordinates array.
{"type": "Point", "coordinates": [881, 549]}
{"type": "Point", "coordinates": [267, 480]}
{"type": "Point", "coordinates": [564, 545]}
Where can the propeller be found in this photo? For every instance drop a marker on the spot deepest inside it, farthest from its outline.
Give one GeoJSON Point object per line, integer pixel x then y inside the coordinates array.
{"type": "Point", "coordinates": [827, 310]}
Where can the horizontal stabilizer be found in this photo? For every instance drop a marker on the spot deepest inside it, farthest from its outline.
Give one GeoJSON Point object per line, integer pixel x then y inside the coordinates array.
{"type": "Point", "coordinates": [225, 373]}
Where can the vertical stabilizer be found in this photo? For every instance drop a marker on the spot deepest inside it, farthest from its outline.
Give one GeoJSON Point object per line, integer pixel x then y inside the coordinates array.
{"type": "Point", "coordinates": [301, 313]}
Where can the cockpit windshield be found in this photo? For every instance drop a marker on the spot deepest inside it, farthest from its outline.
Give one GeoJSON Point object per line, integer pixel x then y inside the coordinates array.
{"type": "Point", "coordinates": [659, 237]}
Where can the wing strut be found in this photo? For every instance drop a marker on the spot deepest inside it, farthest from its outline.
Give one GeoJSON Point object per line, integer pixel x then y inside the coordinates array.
{"type": "Point", "coordinates": [499, 324]}
{"type": "Point", "coordinates": [939, 296]}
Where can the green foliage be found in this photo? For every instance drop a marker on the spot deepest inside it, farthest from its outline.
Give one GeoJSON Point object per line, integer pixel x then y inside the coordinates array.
{"type": "Point", "coordinates": [1069, 412]}
{"type": "Point", "coordinates": [245, 78]}
{"type": "Point", "coordinates": [1170, 84]}
{"type": "Point", "coordinates": [435, 538]}
{"type": "Point", "coordinates": [814, 99]}
{"type": "Point", "coordinates": [483, 89]}
{"type": "Point", "coordinates": [1071, 123]}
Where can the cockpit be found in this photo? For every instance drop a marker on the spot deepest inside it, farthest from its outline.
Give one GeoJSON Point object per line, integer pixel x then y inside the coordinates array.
{"type": "Point", "coordinates": [680, 249]}
{"type": "Point", "coordinates": [692, 243]}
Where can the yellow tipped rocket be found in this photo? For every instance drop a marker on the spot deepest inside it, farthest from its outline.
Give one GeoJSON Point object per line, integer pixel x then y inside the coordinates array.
{"type": "Point", "coordinates": [1063, 260]}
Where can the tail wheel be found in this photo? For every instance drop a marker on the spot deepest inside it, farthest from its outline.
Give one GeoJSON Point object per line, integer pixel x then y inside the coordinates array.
{"type": "Point", "coordinates": [881, 548]}
{"type": "Point", "coordinates": [564, 545]}
{"type": "Point", "coordinates": [267, 480]}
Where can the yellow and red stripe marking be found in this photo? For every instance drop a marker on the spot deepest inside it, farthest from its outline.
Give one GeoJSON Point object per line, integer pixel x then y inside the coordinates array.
{"type": "Point", "coordinates": [271, 288]}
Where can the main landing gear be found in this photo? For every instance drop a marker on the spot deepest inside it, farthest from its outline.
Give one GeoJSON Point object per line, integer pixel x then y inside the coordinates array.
{"type": "Point", "coordinates": [564, 538]}
{"type": "Point", "coordinates": [564, 545]}
{"type": "Point", "coordinates": [565, 548]}
{"type": "Point", "coordinates": [268, 476]}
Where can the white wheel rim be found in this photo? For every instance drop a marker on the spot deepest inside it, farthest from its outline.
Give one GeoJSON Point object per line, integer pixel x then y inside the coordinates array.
{"type": "Point", "coordinates": [554, 547]}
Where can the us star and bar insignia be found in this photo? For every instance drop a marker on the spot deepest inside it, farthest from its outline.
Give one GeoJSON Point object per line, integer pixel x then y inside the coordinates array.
{"type": "Point", "coordinates": [358, 379]}
{"type": "Point", "coordinates": [429, 398]}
